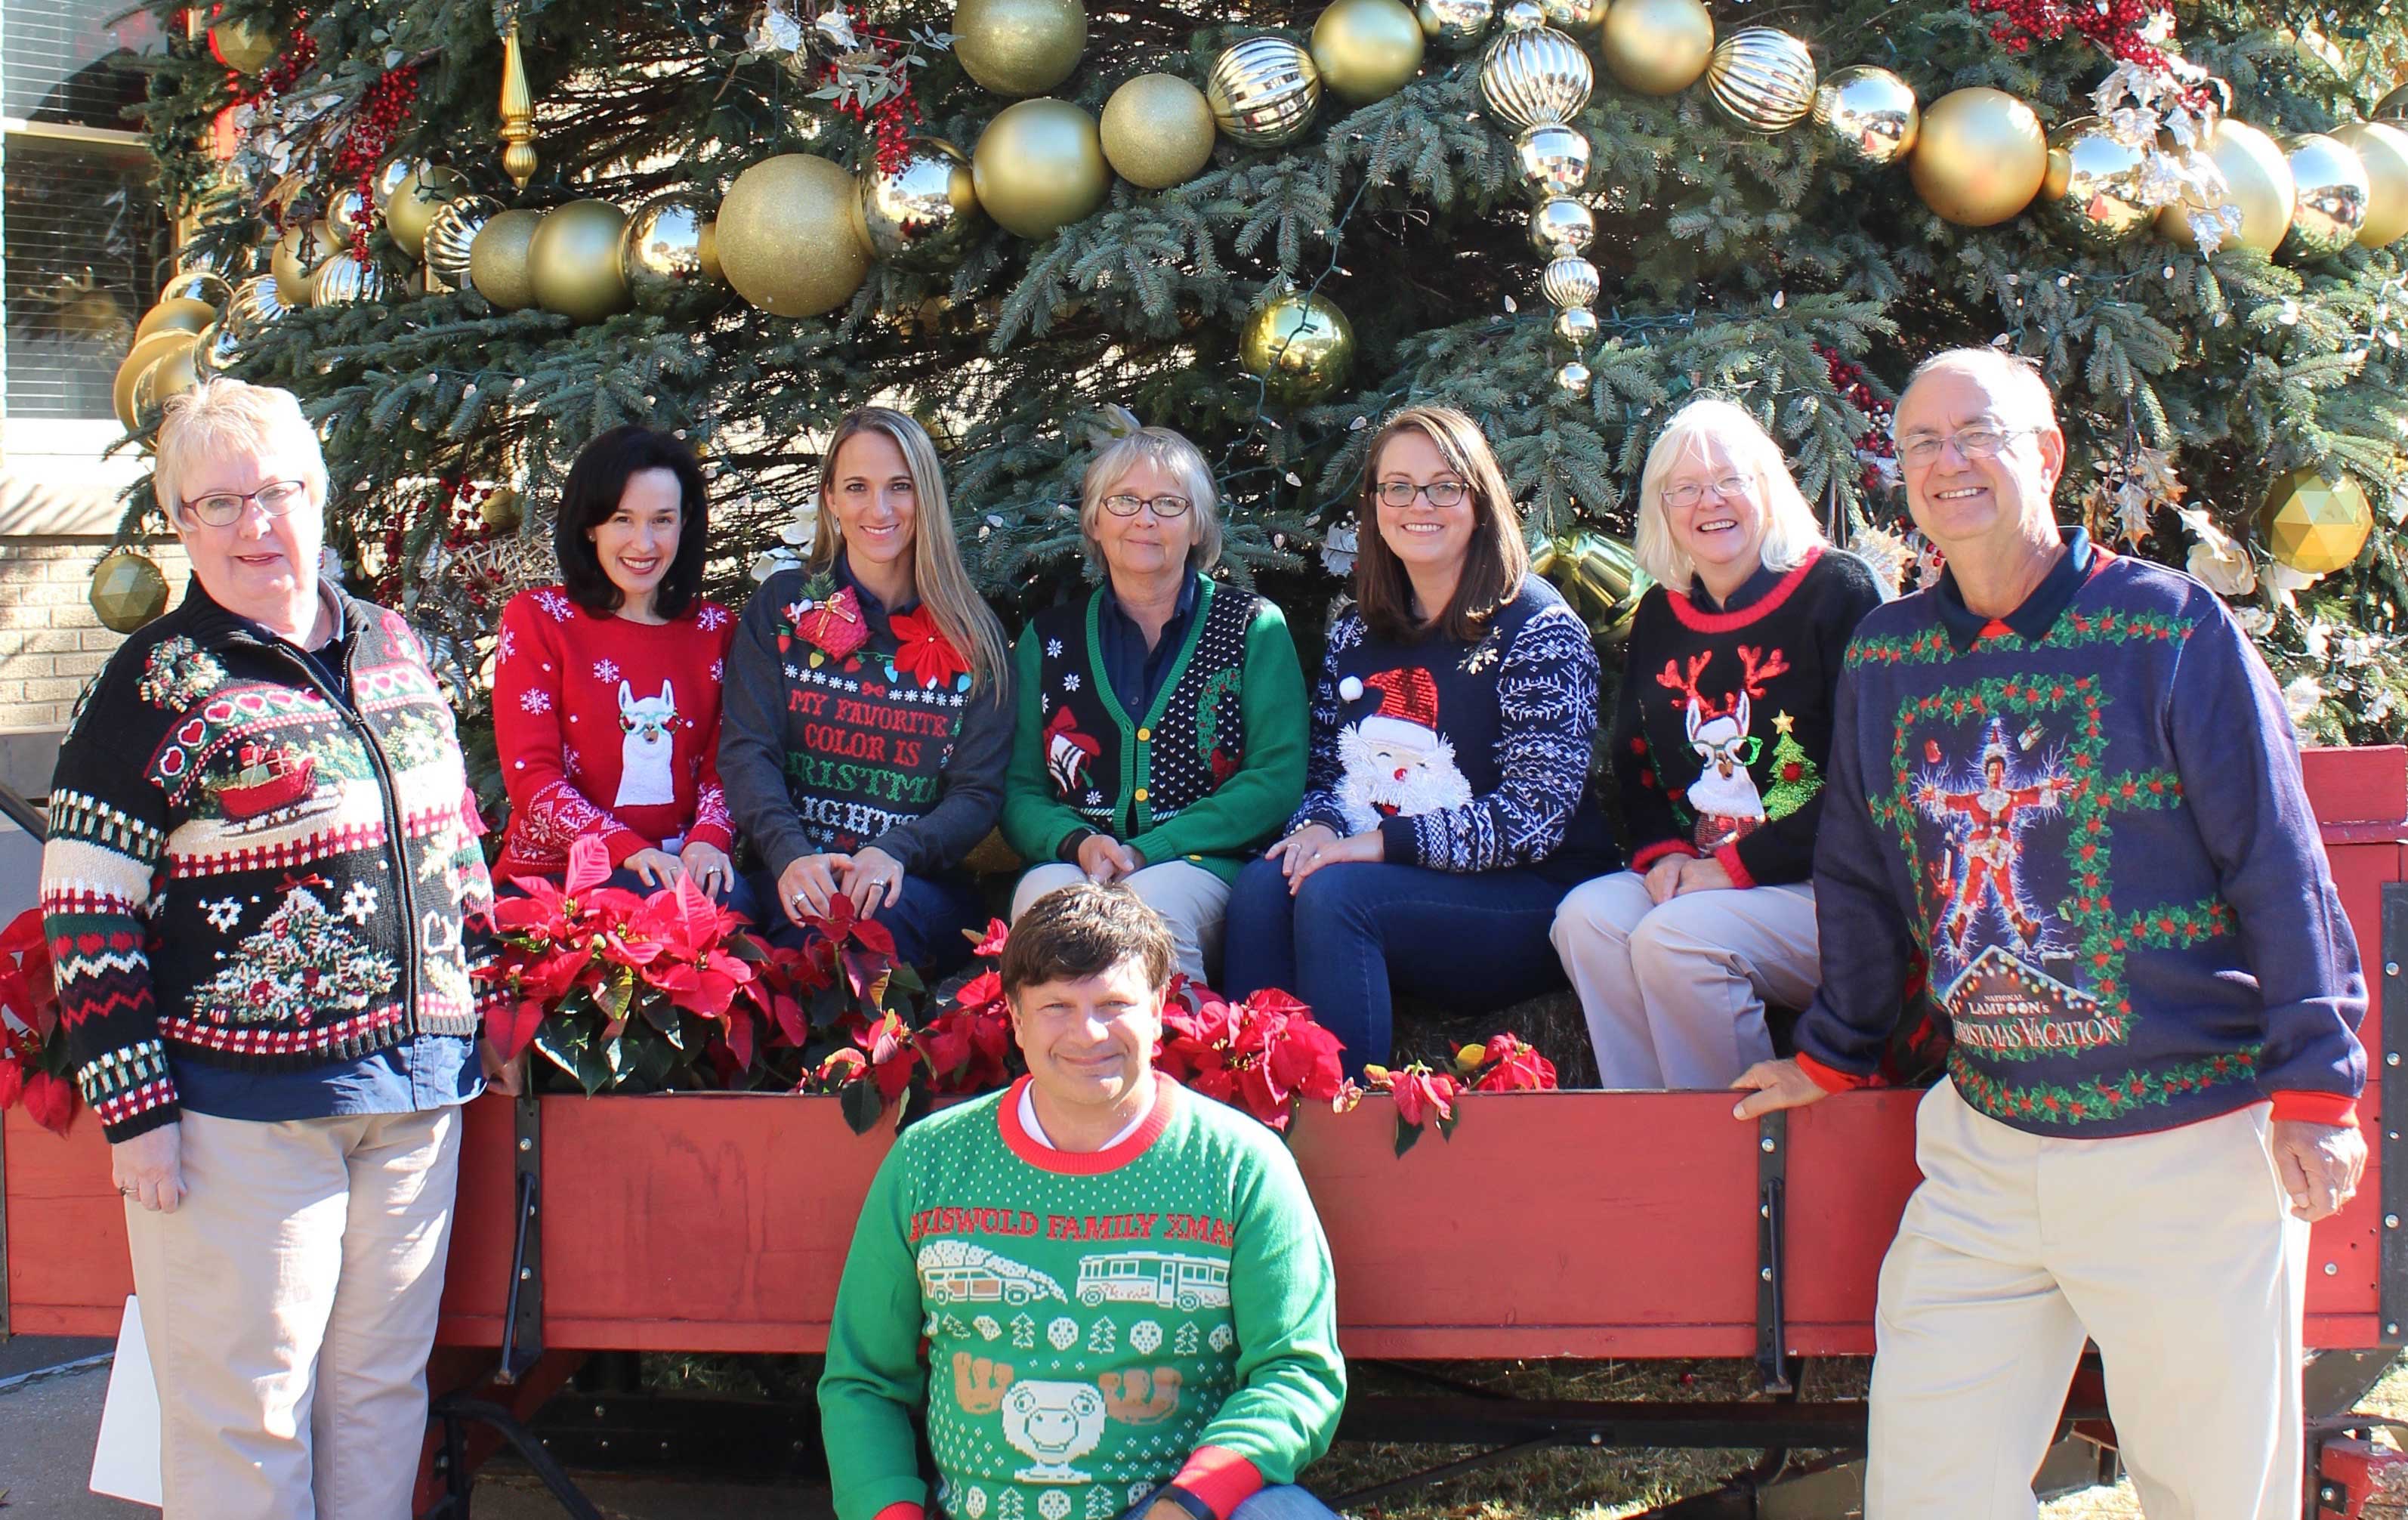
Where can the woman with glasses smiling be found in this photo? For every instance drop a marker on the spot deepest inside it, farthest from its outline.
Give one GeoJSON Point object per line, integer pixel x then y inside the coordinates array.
{"type": "Point", "coordinates": [1719, 740]}
{"type": "Point", "coordinates": [1162, 722]}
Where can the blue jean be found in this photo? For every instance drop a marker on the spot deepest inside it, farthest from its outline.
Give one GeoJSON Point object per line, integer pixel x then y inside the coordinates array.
{"type": "Point", "coordinates": [1470, 940]}
{"type": "Point", "coordinates": [1277, 1502]}
{"type": "Point", "coordinates": [929, 921]}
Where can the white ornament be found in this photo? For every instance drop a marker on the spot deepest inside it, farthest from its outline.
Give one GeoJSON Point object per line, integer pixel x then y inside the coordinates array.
{"type": "Point", "coordinates": [1351, 689]}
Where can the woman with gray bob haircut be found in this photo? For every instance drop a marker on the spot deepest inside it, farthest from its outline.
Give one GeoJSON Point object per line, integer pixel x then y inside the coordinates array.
{"type": "Point", "coordinates": [260, 813]}
{"type": "Point", "coordinates": [1161, 738]}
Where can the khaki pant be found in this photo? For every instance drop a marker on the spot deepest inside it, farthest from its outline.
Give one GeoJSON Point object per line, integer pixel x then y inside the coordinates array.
{"type": "Point", "coordinates": [2174, 1251]}
{"type": "Point", "coordinates": [1193, 903]}
{"type": "Point", "coordinates": [290, 1305]}
{"type": "Point", "coordinates": [1675, 994]}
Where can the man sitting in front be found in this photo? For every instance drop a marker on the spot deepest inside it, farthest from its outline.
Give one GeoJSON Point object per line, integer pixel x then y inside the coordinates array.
{"type": "Point", "coordinates": [1124, 1291]}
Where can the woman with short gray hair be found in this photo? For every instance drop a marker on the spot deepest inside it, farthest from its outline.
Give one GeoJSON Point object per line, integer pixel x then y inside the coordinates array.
{"type": "Point", "coordinates": [1162, 717]}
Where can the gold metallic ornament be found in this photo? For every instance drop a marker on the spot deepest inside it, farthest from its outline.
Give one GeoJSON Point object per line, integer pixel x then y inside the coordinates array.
{"type": "Point", "coordinates": [1869, 116]}
{"type": "Point", "coordinates": [203, 285]}
{"type": "Point", "coordinates": [182, 315]}
{"type": "Point", "coordinates": [1019, 47]}
{"type": "Point", "coordinates": [2330, 190]}
{"type": "Point", "coordinates": [505, 509]}
{"type": "Point", "coordinates": [297, 255]}
{"type": "Point", "coordinates": [1039, 166]}
{"type": "Point", "coordinates": [923, 213]}
{"type": "Point", "coordinates": [2393, 107]}
{"type": "Point", "coordinates": [1157, 130]}
{"type": "Point", "coordinates": [1453, 25]}
{"type": "Point", "coordinates": [389, 174]}
{"type": "Point", "coordinates": [1263, 91]}
{"type": "Point", "coordinates": [2316, 523]}
{"type": "Point", "coordinates": [1523, 16]}
{"type": "Point", "coordinates": [2095, 188]}
{"type": "Point", "coordinates": [2384, 149]}
{"type": "Point", "coordinates": [347, 214]}
{"type": "Point", "coordinates": [453, 233]}
{"type": "Point", "coordinates": [2257, 181]}
{"type": "Point", "coordinates": [1761, 78]}
{"type": "Point", "coordinates": [668, 255]}
{"type": "Point", "coordinates": [1569, 282]}
{"type": "Point", "coordinates": [169, 375]}
{"type": "Point", "coordinates": [1367, 49]}
{"type": "Point", "coordinates": [1300, 346]}
{"type": "Point", "coordinates": [1576, 325]}
{"type": "Point", "coordinates": [215, 349]}
{"type": "Point", "coordinates": [244, 46]}
{"type": "Point", "coordinates": [345, 280]}
{"type": "Point", "coordinates": [1980, 157]}
{"type": "Point", "coordinates": [1553, 159]}
{"type": "Point", "coordinates": [573, 261]}
{"type": "Point", "coordinates": [1574, 15]}
{"type": "Point", "coordinates": [1561, 226]}
{"type": "Point", "coordinates": [786, 235]}
{"type": "Point", "coordinates": [253, 307]}
{"type": "Point", "coordinates": [415, 201]}
{"type": "Point", "coordinates": [1657, 46]}
{"type": "Point", "coordinates": [1534, 76]}
{"type": "Point", "coordinates": [127, 591]}
{"type": "Point", "coordinates": [497, 259]}
{"type": "Point", "coordinates": [517, 112]}
{"type": "Point", "coordinates": [138, 359]}
{"type": "Point", "coordinates": [1571, 381]}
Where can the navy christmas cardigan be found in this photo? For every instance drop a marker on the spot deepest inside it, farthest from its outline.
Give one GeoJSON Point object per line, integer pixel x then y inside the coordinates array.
{"type": "Point", "coordinates": [2088, 819]}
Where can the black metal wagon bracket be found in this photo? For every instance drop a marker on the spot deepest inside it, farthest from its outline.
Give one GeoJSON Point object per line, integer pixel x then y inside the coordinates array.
{"type": "Point", "coordinates": [1772, 1215]}
{"type": "Point", "coordinates": [457, 1411]}
{"type": "Point", "coordinates": [522, 1309]}
{"type": "Point", "coordinates": [2391, 1291]}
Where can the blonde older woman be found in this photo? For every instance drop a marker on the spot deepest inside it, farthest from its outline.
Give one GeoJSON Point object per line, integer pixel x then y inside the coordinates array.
{"type": "Point", "coordinates": [1162, 716]}
{"type": "Point", "coordinates": [279, 1032]}
{"type": "Point", "coordinates": [1719, 741]}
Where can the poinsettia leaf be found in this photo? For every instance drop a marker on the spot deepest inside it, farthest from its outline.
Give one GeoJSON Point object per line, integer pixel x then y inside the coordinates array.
{"type": "Point", "coordinates": [739, 1037]}
{"type": "Point", "coordinates": [651, 1060]}
{"type": "Point", "coordinates": [1408, 1136]}
{"type": "Point", "coordinates": [51, 1100]}
{"type": "Point", "coordinates": [861, 1103]}
{"type": "Point", "coordinates": [1447, 1122]}
{"type": "Point", "coordinates": [616, 995]}
{"type": "Point", "coordinates": [589, 864]}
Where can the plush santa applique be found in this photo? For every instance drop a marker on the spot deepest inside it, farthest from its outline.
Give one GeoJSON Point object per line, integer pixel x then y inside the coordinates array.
{"type": "Point", "coordinates": [1398, 764]}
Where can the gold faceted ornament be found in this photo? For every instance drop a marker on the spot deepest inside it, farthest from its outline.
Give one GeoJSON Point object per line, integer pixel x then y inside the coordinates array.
{"type": "Point", "coordinates": [497, 259]}
{"type": "Point", "coordinates": [1367, 49]}
{"type": "Point", "coordinates": [1039, 166]}
{"type": "Point", "coordinates": [1761, 78]}
{"type": "Point", "coordinates": [207, 286]}
{"type": "Point", "coordinates": [2393, 107]}
{"type": "Point", "coordinates": [253, 307]}
{"type": "Point", "coordinates": [1869, 114]}
{"type": "Point", "coordinates": [2329, 191]}
{"type": "Point", "coordinates": [1019, 47]}
{"type": "Point", "coordinates": [1534, 76]}
{"type": "Point", "coordinates": [389, 176]}
{"type": "Point", "coordinates": [451, 236]}
{"type": "Point", "coordinates": [2095, 190]}
{"type": "Point", "coordinates": [1300, 346]}
{"type": "Point", "coordinates": [1657, 46]}
{"type": "Point", "coordinates": [1561, 226]}
{"type": "Point", "coordinates": [244, 46]}
{"type": "Point", "coordinates": [2257, 181]}
{"type": "Point", "coordinates": [2383, 148]}
{"type": "Point", "coordinates": [139, 358]}
{"type": "Point", "coordinates": [923, 213]}
{"type": "Point", "coordinates": [2315, 522]}
{"type": "Point", "coordinates": [1263, 91]}
{"type": "Point", "coordinates": [1980, 157]}
{"type": "Point", "coordinates": [1157, 130]}
{"type": "Point", "coordinates": [1569, 282]}
{"type": "Point", "coordinates": [411, 209]}
{"type": "Point", "coordinates": [183, 315]}
{"type": "Point", "coordinates": [1453, 25]}
{"type": "Point", "coordinates": [1553, 159]}
{"type": "Point", "coordinates": [573, 261]}
{"type": "Point", "coordinates": [296, 258]}
{"type": "Point", "coordinates": [346, 279]}
{"type": "Point", "coordinates": [162, 379]}
{"type": "Point", "coordinates": [787, 239]}
{"type": "Point", "coordinates": [668, 255]}
{"type": "Point", "coordinates": [347, 214]}
{"type": "Point", "coordinates": [127, 591]}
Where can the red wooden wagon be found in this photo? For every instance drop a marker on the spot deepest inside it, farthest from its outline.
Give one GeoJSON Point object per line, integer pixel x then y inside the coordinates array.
{"type": "Point", "coordinates": [1558, 1224]}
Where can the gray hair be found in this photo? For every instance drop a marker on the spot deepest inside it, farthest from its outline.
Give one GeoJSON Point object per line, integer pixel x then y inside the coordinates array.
{"type": "Point", "coordinates": [1791, 531]}
{"type": "Point", "coordinates": [1167, 450]}
{"type": "Point", "coordinates": [223, 418]}
{"type": "Point", "coordinates": [2016, 376]}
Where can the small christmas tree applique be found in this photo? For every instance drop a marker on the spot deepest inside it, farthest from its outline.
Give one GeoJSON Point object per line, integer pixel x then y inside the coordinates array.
{"type": "Point", "coordinates": [1794, 777]}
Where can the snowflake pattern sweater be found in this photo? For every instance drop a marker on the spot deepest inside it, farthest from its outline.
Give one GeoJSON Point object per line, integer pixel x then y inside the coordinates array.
{"type": "Point", "coordinates": [1723, 725]}
{"type": "Point", "coordinates": [610, 726]}
{"type": "Point", "coordinates": [2088, 817]}
{"type": "Point", "coordinates": [1094, 1325]}
{"type": "Point", "coordinates": [1465, 757]}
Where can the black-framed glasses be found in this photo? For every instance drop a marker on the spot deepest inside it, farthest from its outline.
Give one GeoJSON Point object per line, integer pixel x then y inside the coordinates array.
{"type": "Point", "coordinates": [1972, 442]}
{"type": "Point", "coordinates": [1689, 493]}
{"type": "Point", "coordinates": [1442, 493]}
{"type": "Point", "coordinates": [223, 509]}
{"type": "Point", "coordinates": [1163, 507]}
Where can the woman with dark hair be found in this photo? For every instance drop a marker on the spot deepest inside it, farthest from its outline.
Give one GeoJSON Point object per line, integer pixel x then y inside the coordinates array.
{"type": "Point", "coordinates": [1444, 806]}
{"type": "Point", "coordinates": [607, 686]}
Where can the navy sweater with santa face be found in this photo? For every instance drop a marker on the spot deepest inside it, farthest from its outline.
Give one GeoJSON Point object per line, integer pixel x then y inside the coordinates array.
{"type": "Point", "coordinates": [2088, 818]}
{"type": "Point", "coordinates": [1464, 757]}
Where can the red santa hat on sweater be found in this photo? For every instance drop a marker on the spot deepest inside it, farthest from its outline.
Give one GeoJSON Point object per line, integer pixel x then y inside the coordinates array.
{"type": "Point", "coordinates": [1408, 714]}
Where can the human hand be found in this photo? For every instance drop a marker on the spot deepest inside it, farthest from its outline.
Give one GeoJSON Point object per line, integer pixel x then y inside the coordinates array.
{"type": "Point", "coordinates": [1291, 851]}
{"type": "Point", "coordinates": [657, 868]}
{"type": "Point", "coordinates": [2319, 1165]}
{"type": "Point", "coordinates": [1705, 875]}
{"type": "Point", "coordinates": [873, 881]}
{"type": "Point", "coordinates": [1663, 879]}
{"type": "Point", "coordinates": [507, 1077]}
{"type": "Point", "coordinates": [1777, 1085]}
{"type": "Point", "coordinates": [710, 866]}
{"type": "Point", "coordinates": [1367, 849]}
{"type": "Point", "coordinates": [1105, 860]}
{"type": "Point", "coordinates": [150, 1168]}
{"type": "Point", "coordinates": [808, 883]}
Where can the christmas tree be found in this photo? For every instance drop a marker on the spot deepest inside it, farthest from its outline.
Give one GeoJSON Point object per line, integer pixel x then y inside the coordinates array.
{"type": "Point", "coordinates": [516, 224]}
{"type": "Point", "coordinates": [301, 965]}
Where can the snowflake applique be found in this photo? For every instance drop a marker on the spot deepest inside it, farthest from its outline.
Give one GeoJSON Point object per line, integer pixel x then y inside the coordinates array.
{"type": "Point", "coordinates": [360, 903]}
{"type": "Point", "coordinates": [1070, 681]}
{"type": "Point", "coordinates": [1094, 799]}
{"type": "Point", "coordinates": [1052, 648]}
{"type": "Point", "coordinates": [712, 618]}
{"type": "Point", "coordinates": [606, 670]}
{"type": "Point", "coordinates": [793, 674]}
{"type": "Point", "coordinates": [535, 701]}
{"type": "Point", "coordinates": [222, 914]}
{"type": "Point", "coordinates": [718, 671]}
{"type": "Point", "coordinates": [556, 604]}
{"type": "Point", "coordinates": [509, 644]}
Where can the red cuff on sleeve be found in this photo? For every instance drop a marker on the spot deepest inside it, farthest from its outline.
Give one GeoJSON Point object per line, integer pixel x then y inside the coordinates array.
{"type": "Point", "coordinates": [2316, 1108]}
{"type": "Point", "coordinates": [1654, 852]}
{"type": "Point", "coordinates": [622, 842]}
{"type": "Point", "coordinates": [1728, 855]}
{"type": "Point", "coordinates": [718, 836]}
{"type": "Point", "coordinates": [1218, 1476]}
{"type": "Point", "coordinates": [903, 1508]}
{"type": "Point", "coordinates": [1830, 1079]}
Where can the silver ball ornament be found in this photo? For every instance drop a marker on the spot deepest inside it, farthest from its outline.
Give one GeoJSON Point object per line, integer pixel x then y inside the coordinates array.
{"type": "Point", "coordinates": [1571, 14]}
{"type": "Point", "coordinates": [347, 212]}
{"type": "Point", "coordinates": [1523, 15]}
{"type": "Point", "coordinates": [1571, 381]}
{"type": "Point", "coordinates": [2329, 195]}
{"type": "Point", "coordinates": [1869, 115]}
{"type": "Point", "coordinates": [1576, 325]}
{"type": "Point", "coordinates": [1263, 91]}
{"type": "Point", "coordinates": [925, 212]}
{"type": "Point", "coordinates": [668, 253]}
{"type": "Point", "coordinates": [1553, 158]}
{"type": "Point", "coordinates": [2094, 191]}
{"type": "Point", "coordinates": [1453, 25]}
{"type": "Point", "coordinates": [1534, 74]}
{"type": "Point", "coordinates": [1561, 225]}
{"type": "Point", "coordinates": [389, 177]}
{"type": "Point", "coordinates": [1762, 78]}
{"type": "Point", "coordinates": [1569, 282]}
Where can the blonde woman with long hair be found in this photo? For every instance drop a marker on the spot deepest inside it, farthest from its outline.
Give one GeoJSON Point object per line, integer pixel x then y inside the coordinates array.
{"type": "Point", "coordinates": [869, 705]}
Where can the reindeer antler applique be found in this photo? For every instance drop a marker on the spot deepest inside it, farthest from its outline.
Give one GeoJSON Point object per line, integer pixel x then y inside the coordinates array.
{"type": "Point", "coordinates": [1128, 1400]}
{"type": "Point", "coordinates": [980, 1384]}
{"type": "Point", "coordinates": [1671, 679]}
{"type": "Point", "coordinates": [1754, 670]}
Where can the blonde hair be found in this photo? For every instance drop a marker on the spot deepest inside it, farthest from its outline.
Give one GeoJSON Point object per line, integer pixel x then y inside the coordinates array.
{"type": "Point", "coordinates": [2017, 376]}
{"type": "Point", "coordinates": [936, 570]}
{"type": "Point", "coordinates": [1168, 450]}
{"type": "Point", "coordinates": [1790, 529]}
{"type": "Point", "coordinates": [222, 418]}
{"type": "Point", "coordinates": [1494, 564]}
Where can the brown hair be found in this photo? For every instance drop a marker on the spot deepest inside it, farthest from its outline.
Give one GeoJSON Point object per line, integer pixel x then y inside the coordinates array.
{"type": "Point", "coordinates": [1493, 566]}
{"type": "Point", "coordinates": [1082, 930]}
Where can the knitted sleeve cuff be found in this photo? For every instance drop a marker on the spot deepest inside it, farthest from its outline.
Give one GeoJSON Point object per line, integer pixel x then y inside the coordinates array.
{"type": "Point", "coordinates": [718, 836]}
{"type": "Point", "coordinates": [903, 1510]}
{"type": "Point", "coordinates": [622, 842]}
{"type": "Point", "coordinates": [1068, 851]}
{"type": "Point", "coordinates": [1649, 854]}
{"type": "Point", "coordinates": [1733, 867]}
{"type": "Point", "coordinates": [2316, 1108]}
{"type": "Point", "coordinates": [1830, 1079]}
{"type": "Point", "coordinates": [1220, 1477]}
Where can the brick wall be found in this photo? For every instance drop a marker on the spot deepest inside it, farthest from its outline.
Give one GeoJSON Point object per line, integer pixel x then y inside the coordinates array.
{"type": "Point", "coordinates": [51, 643]}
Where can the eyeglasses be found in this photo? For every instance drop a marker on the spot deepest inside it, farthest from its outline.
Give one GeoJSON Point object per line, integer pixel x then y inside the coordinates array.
{"type": "Point", "coordinates": [1972, 442]}
{"type": "Point", "coordinates": [1163, 507]}
{"type": "Point", "coordinates": [1442, 493]}
{"type": "Point", "coordinates": [1689, 493]}
{"type": "Point", "coordinates": [223, 509]}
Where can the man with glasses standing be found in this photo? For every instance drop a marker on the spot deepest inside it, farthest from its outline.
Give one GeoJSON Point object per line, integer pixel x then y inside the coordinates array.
{"type": "Point", "coordinates": [2066, 782]}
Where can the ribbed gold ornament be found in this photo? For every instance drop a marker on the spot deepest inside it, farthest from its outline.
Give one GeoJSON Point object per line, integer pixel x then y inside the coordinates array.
{"type": "Point", "coordinates": [127, 591]}
{"type": "Point", "coordinates": [517, 112]}
{"type": "Point", "coordinates": [1367, 49]}
{"type": "Point", "coordinates": [1657, 46]}
{"type": "Point", "coordinates": [497, 259]}
{"type": "Point", "coordinates": [573, 261]}
{"type": "Point", "coordinates": [1534, 76]}
{"type": "Point", "coordinates": [1301, 346]}
{"type": "Point", "coordinates": [297, 255]}
{"type": "Point", "coordinates": [2384, 149]}
{"type": "Point", "coordinates": [1980, 157]}
{"type": "Point", "coordinates": [2257, 180]}
{"type": "Point", "coordinates": [415, 201]}
{"type": "Point", "coordinates": [2329, 191]}
{"type": "Point", "coordinates": [453, 233]}
{"type": "Point", "coordinates": [1157, 130]}
{"type": "Point", "coordinates": [1869, 115]}
{"type": "Point", "coordinates": [1263, 91]}
{"type": "Point", "coordinates": [786, 235]}
{"type": "Point", "coordinates": [2316, 523]}
{"type": "Point", "coordinates": [253, 307]}
{"type": "Point", "coordinates": [1039, 166]}
{"type": "Point", "coordinates": [1762, 78]}
{"type": "Point", "coordinates": [346, 280]}
{"type": "Point", "coordinates": [1019, 47]}
{"type": "Point", "coordinates": [670, 257]}
{"type": "Point", "coordinates": [1569, 282]}
{"type": "Point", "coordinates": [2094, 190]}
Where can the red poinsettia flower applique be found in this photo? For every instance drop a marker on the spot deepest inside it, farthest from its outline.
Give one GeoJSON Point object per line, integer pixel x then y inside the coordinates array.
{"type": "Point", "coordinates": [922, 651]}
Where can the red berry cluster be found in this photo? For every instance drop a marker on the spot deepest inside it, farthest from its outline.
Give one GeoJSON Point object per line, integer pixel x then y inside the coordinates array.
{"type": "Point", "coordinates": [384, 110]}
{"type": "Point", "coordinates": [2115, 25]}
{"type": "Point", "coordinates": [458, 506]}
{"type": "Point", "coordinates": [890, 121]}
{"type": "Point", "coordinates": [299, 54]}
{"type": "Point", "coordinates": [1848, 379]}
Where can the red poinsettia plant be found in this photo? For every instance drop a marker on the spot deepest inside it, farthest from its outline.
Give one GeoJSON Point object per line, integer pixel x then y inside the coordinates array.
{"type": "Point", "coordinates": [33, 1066]}
{"type": "Point", "coordinates": [1424, 1095]}
{"type": "Point", "coordinates": [1261, 1054]}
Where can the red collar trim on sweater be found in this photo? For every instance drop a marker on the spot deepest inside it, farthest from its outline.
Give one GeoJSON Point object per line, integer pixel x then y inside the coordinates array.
{"type": "Point", "coordinates": [1697, 619]}
{"type": "Point", "coordinates": [1085, 1163]}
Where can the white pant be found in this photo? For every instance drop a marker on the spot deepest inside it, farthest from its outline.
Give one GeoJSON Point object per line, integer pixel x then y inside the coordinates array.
{"type": "Point", "coordinates": [1675, 994]}
{"type": "Point", "coordinates": [2174, 1251]}
{"type": "Point", "coordinates": [1192, 902]}
{"type": "Point", "coordinates": [290, 1305]}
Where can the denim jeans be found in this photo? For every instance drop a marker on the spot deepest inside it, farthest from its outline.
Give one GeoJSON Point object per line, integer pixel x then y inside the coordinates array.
{"type": "Point", "coordinates": [1470, 940]}
{"type": "Point", "coordinates": [1279, 1501]}
{"type": "Point", "coordinates": [927, 920]}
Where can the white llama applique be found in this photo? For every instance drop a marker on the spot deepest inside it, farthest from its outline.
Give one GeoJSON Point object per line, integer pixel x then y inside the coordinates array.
{"type": "Point", "coordinates": [644, 770]}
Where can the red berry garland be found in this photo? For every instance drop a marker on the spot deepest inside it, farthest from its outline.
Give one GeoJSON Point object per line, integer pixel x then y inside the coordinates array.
{"type": "Point", "coordinates": [2117, 26]}
{"type": "Point", "coordinates": [384, 110]}
{"type": "Point", "coordinates": [890, 121]}
{"type": "Point", "coordinates": [1848, 379]}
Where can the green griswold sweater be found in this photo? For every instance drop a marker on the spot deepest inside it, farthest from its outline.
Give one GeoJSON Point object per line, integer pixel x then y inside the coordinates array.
{"type": "Point", "coordinates": [1092, 1321]}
